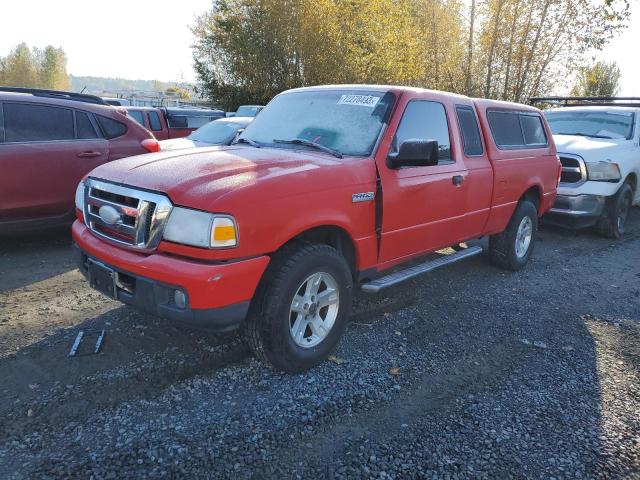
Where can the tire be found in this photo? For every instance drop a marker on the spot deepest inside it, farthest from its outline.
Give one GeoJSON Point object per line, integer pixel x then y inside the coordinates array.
{"type": "Point", "coordinates": [616, 211]}
{"type": "Point", "coordinates": [509, 249]}
{"type": "Point", "coordinates": [271, 322]}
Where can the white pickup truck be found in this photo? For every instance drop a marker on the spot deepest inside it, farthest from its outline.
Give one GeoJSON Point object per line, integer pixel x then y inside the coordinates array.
{"type": "Point", "coordinates": [600, 154]}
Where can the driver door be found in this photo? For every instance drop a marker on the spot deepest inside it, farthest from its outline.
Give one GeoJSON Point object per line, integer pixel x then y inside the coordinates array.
{"type": "Point", "coordinates": [423, 206]}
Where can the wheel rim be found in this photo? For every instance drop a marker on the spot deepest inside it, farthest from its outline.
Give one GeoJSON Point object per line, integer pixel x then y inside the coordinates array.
{"type": "Point", "coordinates": [623, 212]}
{"type": "Point", "coordinates": [523, 237]}
{"type": "Point", "coordinates": [314, 309]}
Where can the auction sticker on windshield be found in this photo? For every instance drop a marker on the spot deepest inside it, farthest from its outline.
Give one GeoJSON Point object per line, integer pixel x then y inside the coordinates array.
{"type": "Point", "coordinates": [361, 100]}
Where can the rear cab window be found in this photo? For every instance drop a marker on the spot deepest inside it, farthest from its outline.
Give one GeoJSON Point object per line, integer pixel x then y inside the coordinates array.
{"type": "Point", "coordinates": [533, 130]}
{"type": "Point", "coordinates": [516, 129]}
{"type": "Point", "coordinates": [154, 121]}
{"type": "Point", "coordinates": [137, 115]}
{"type": "Point", "coordinates": [185, 121]}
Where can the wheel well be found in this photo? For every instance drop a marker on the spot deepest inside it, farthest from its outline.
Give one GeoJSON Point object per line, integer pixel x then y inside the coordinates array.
{"type": "Point", "coordinates": [335, 237]}
{"type": "Point", "coordinates": [533, 195]}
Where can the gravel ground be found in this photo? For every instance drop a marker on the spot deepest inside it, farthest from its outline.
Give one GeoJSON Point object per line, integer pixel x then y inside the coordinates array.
{"type": "Point", "coordinates": [469, 372]}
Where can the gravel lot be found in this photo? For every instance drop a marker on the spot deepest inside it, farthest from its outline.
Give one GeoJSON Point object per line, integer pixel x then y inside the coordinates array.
{"type": "Point", "coordinates": [469, 372]}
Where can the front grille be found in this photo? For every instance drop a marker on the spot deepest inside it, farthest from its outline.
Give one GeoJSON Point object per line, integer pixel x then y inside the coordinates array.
{"type": "Point", "coordinates": [125, 215]}
{"type": "Point", "coordinates": [573, 169]}
{"type": "Point", "coordinates": [116, 198]}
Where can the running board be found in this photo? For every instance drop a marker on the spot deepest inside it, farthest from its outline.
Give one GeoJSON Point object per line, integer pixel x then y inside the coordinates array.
{"type": "Point", "coordinates": [397, 277]}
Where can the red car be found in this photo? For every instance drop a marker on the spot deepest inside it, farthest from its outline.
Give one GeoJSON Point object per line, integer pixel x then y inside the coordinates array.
{"type": "Point", "coordinates": [49, 140]}
{"type": "Point", "coordinates": [327, 190]}
{"type": "Point", "coordinates": [173, 122]}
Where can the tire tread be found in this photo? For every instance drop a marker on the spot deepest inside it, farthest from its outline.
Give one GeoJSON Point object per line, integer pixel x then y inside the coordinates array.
{"type": "Point", "coordinates": [607, 223]}
{"type": "Point", "coordinates": [501, 245]}
{"type": "Point", "coordinates": [263, 310]}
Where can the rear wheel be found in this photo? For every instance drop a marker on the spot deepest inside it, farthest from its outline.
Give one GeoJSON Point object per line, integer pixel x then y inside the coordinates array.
{"type": "Point", "coordinates": [614, 218]}
{"type": "Point", "coordinates": [301, 307]}
{"type": "Point", "coordinates": [512, 248]}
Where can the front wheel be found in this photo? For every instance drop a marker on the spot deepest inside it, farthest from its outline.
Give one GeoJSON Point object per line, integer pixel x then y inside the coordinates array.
{"type": "Point", "coordinates": [614, 218]}
{"type": "Point", "coordinates": [301, 307]}
{"type": "Point", "coordinates": [512, 248]}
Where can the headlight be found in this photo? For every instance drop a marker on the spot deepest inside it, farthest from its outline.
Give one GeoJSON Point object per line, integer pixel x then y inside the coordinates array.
{"type": "Point", "coordinates": [80, 196]}
{"type": "Point", "coordinates": [201, 229]}
{"type": "Point", "coordinates": [603, 171]}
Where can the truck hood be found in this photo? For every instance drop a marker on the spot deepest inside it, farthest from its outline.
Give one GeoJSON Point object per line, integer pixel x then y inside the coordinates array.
{"type": "Point", "coordinates": [197, 177]}
{"type": "Point", "coordinates": [590, 147]}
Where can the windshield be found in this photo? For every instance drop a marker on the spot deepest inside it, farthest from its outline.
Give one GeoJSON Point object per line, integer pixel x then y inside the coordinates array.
{"type": "Point", "coordinates": [216, 132]}
{"type": "Point", "coordinates": [601, 124]}
{"type": "Point", "coordinates": [247, 111]}
{"type": "Point", "coordinates": [348, 122]}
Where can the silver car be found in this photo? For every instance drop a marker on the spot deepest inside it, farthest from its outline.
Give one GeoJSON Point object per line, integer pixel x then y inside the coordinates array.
{"type": "Point", "coordinates": [217, 132]}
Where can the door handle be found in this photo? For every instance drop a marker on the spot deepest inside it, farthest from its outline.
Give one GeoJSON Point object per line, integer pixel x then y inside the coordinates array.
{"type": "Point", "coordinates": [457, 180]}
{"type": "Point", "coordinates": [89, 154]}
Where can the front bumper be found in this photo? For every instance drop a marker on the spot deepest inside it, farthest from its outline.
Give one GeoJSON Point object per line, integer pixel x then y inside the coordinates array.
{"type": "Point", "coordinates": [218, 295]}
{"type": "Point", "coordinates": [576, 211]}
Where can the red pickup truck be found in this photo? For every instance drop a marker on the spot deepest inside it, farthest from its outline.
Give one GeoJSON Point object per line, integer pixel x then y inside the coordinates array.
{"type": "Point", "coordinates": [173, 122]}
{"type": "Point", "coordinates": [329, 189]}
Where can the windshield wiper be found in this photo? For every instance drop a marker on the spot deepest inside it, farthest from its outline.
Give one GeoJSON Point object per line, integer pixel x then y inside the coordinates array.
{"type": "Point", "coordinates": [309, 143]}
{"type": "Point", "coordinates": [253, 143]}
{"type": "Point", "coordinates": [581, 134]}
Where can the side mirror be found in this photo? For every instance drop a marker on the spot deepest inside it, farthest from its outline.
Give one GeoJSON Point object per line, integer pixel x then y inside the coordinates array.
{"type": "Point", "coordinates": [414, 153]}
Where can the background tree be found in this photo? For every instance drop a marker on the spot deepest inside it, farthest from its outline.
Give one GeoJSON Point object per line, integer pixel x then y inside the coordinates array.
{"type": "Point", "coordinates": [20, 68]}
{"type": "Point", "coordinates": [183, 93]}
{"type": "Point", "coordinates": [24, 67]}
{"type": "Point", "coordinates": [527, 48]}
{"type": "Point", "coordinates": [53, 69]}
{"type": "Point", "coordinates": [243, 50]}
{"type": "Point", "coordinates": [600, 80]}
{"type": "Point", "coordinates": [246, 51]}
{"type": "Point", "coordinates": [444, 45]}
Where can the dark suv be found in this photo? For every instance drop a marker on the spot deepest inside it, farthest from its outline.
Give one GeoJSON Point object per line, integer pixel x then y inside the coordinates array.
{"type": "Point", "coordinates": [48, 141]}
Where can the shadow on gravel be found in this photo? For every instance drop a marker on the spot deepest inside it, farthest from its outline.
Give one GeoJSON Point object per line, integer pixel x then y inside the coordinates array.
{"type": "Point", "coordinates": [525, 393]}
{"type": "Point", "coordinates": [32, 258]}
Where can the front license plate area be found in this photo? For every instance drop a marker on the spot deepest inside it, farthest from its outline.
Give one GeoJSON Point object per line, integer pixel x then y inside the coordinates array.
{"type": "Point", "coordinates": [102, 278]}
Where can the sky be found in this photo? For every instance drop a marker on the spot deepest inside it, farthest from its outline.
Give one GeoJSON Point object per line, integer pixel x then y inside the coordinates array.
{"type": "Point", "coordinates": [132, 39]}
{"type": "Point", "coordinates": [624, 50]}
{"type": "Point", "coordinates": [151, 39]}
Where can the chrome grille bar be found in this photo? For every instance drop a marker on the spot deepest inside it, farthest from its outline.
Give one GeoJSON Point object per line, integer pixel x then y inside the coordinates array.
{"type": "Point", "coordinates": [125, 215]}
{"type": "Point", "coordinates": [574, 170]}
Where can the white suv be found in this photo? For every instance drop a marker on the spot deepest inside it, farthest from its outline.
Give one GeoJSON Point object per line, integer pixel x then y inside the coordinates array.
{"type": "Point", "coordinates": [600, 155]}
